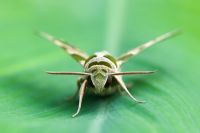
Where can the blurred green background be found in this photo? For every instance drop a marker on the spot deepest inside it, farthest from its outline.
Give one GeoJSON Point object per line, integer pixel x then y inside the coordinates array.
{"type": "Point", "coordinates": [32, 101]}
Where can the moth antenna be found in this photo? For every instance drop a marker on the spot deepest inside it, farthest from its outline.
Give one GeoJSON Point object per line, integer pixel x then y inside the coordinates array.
{"type": "Point", "coordinates": [133, 73]}
{"type": "Point", "coordinates": [68, 73]}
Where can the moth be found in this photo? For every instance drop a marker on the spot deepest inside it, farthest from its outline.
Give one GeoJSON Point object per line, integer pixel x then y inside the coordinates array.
{"type": "Point", "coordinates": [101, 71]}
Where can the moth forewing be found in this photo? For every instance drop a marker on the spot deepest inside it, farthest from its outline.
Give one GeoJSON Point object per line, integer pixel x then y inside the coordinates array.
{"type": "Point", "coordinates": [76, 53]}
{"type": "Point", "coordinates": [123, 58]}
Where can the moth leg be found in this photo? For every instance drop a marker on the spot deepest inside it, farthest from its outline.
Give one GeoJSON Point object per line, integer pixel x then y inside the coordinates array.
{"type": "Point", "coordinates": [121, 90]}
{"type": "Point", "coordinates": [81, 93]}
{"type": "Point", "coordinates": [122, 84]}
{"type": "Point", "coordinates": [74, 96]}
{"type": "Point", "coordinates": [123, 58]}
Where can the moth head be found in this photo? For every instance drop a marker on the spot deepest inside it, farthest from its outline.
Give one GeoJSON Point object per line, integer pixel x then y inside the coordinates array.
{"type": "Point", "coordinates": [99, 76]}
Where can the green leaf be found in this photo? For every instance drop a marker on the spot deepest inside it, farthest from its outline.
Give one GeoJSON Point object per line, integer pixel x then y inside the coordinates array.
{"type": "Point", "coordinates": [32, 101]}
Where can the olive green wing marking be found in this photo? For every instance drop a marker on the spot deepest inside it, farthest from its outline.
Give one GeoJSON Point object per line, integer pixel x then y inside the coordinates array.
{"type": "Point", "coordinates": [146, 45]}
{"type": "Point", "coordinates": [77, 54]}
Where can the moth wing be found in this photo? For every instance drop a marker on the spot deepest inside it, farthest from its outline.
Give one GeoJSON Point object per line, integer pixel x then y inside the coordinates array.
{"type": "Point", "coordinates": [76, 53]}
{"type": "Point", "coordinates": [123, 58]}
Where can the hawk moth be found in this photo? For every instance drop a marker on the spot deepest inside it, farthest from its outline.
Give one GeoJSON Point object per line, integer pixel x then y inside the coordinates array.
{"type": "Point", "coordinates": [101, 71]}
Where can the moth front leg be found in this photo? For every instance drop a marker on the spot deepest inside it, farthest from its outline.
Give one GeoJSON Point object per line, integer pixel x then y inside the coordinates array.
{"type": "Point", "coordinates": [81, 94]}
{"type": "Point", "coordinates": [75, 95]}
{"type": "Point", "coordinates": [122, 84]}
